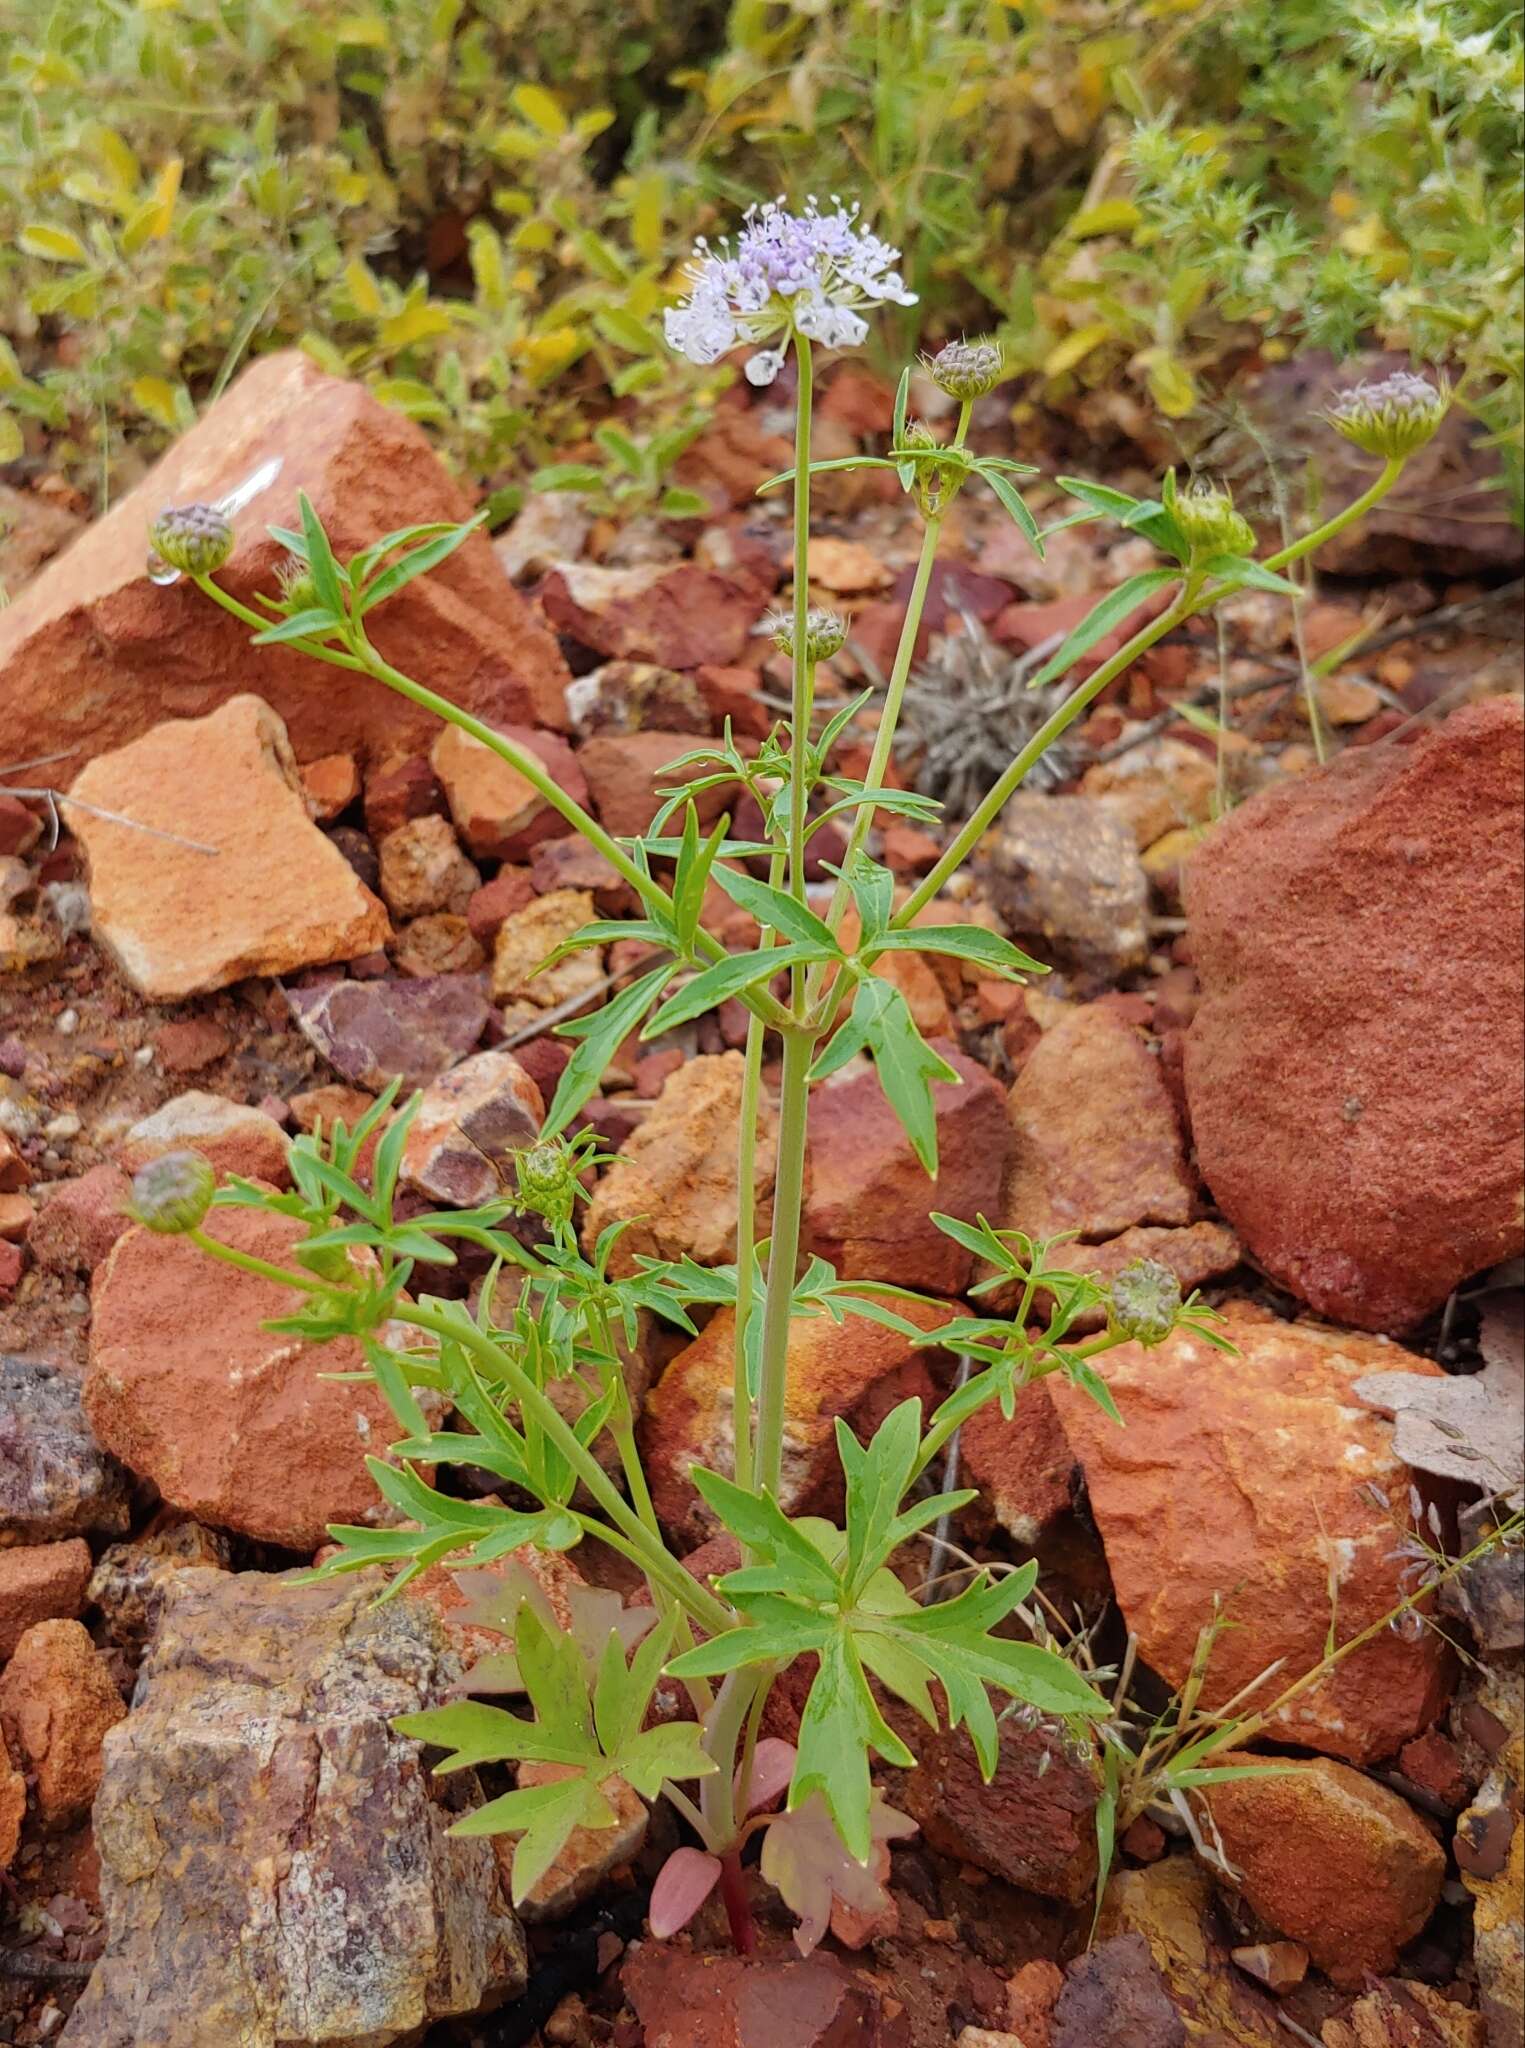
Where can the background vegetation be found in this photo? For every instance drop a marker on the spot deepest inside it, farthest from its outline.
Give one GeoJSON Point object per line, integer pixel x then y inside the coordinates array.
{"type": "Point", "coordinates": [479, 206]}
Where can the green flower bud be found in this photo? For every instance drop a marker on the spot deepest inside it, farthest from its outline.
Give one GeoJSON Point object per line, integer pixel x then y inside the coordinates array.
{"type": "Point", "coordinates": [1207, 518]}
{"type": "Point", "coordinates": [935, 488]}
{"type": "Point", "coordinates": [173, 1193]}
{"type": "Point", "coordinates": [196, 539]}
{"type": "Point", "coordinates": [825, 633]}
{"type": "Point", "coordinates": [546, 1173]}
{"type": "Point", "coordinates": [1146, 1299]}
{"type": "Point", "coordinates": [298, 591]}
{"type": "Point", "coordinates": [1391, 417]}
{"type": "Point", "coordinates": [966, 369]}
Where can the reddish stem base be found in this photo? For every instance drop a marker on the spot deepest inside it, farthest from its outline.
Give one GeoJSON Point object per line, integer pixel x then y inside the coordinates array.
{"type": "Point", "coordinates": [738, 1912]}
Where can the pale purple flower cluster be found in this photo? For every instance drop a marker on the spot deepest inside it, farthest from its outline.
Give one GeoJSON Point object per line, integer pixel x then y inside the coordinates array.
{"type": "Point", "coordinates": [804, 272]}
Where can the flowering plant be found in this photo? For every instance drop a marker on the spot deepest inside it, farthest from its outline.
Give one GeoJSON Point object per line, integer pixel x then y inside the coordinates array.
{"type": "Point", "coordinates": [536, 1374]}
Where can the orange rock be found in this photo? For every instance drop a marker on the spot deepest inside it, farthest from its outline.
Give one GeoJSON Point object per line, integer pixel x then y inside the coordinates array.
{"type": "Point", "coordinates": [527, 939]}
{"type": "Point", "coordinates": [92, 653]}
{"type": "Point", "coordinates": [423, 869]}
{"type": "Point", "coordinates": [1331, 1859]}
{"type": "Point", "coordinates": [1244, 1478]}
{"type": "Point", "coordinates": [846, 566]}
{"type": "Point", "coordinates": [41, 1582]}
{"type": "Point", "coordinates": [673, 613]}
{"type": "Point", "coordinates": [858, 1370]}
{"type": "Point", "coordinates": [57, 1701]}
{"type": "Point", "coordinates": [273, 896]}
{"type": "Point", "coordinates": [234, 1423]}
{"type": "Point", "coordinates": [16, 1216]}
{"type": "Point", "coordinates": [1157, 787]}
{"type": "Point", "coordinates": [12, 1807]}
{"type": "Point", "coordinates": [1025, 1468]}
{"type": "Point", "coordinates": [439, 943]}
{"type": "Point", "coordinates": [235, 1138]}
{"type": "Point", "coordinates": [674, 1179]}
{"type": "Point", "coordinates": [499, 812]}
{"type": "Point", "coordinates": [331, 784]}
{"type": "Point", "coordinates": [626, 782]}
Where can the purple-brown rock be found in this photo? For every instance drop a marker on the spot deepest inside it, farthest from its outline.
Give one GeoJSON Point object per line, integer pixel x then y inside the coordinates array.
{"type": "Point", "coordinates": [370, 1030]}
{"type": "Point", "coordinates": [1353, 1068]}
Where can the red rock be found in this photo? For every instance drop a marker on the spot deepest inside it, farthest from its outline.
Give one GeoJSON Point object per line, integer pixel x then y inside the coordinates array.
{"type": "Point", "coordinates": [327, 1104]}
{"type": "Point", "coordinates": [910, 851]}
{"type": "Point", "coordinates": [331, 784]}
{"type": "Point", "coordinates": [57, 1701]}
{"type": "Point", "coordinates": [20, 828]}
{"type": "Point", "coordinates": [81, 1220]}
{"type": "Point", "coordinates": [1096, 1147]}
{"type": "Point", "coordinates": [674, 1180]}
{"type": "Point", "coordinates": [1115, 1997]}
{"type": "Point", "coordinates": [862, 403]}
{"type": "Point", "coordinates": [627, 783]}
{"type": "Point", "coordinates": [714, 2000]}
{"type": "Point", "coordinates": [12, 1266]}
{"type": "Point", "coordinates": [92, 653]}
{"type": "Point", "coordinates": [497, 811]}
{"type": "Point", "coordinates": [12, 1808]}
{"type": "Point", "coordinates": [654, 1071]}
{"type": "Point", "coordinates": [402, 788]}
{"type": "Point", "coordinates": [1245, 1478]}
{"type": "Point", "coordinates": [509, 890]}
{"type": "Point", "coordinates": [733, 456]}
{"type": "Point", "coordinates": [732, 693]}
{"type": "Point", "coordinates": [369, 1031]}
{"type": "Point", "coordinates": [274, 896]}
{"type": "Point", "coordinates": [544, 1059]}
{"type": "Point", "coordinates": [471, 1121]}
{"type": "Point", "coordinates": [634, 696]}
{"type": "Point", "coordinates": [858, 1370]}
{"type": "Point", "coordinates": [868, 1198]}
{"type": "Point", "coordinates": [234, 1423]}
{"type": "Point", "coordinates": [187, 1044]}
{"type": "Point", "coordinates": [234, 1138]}
{"type": "Point", "coordinates": [675, 614]}
{"type": "Point", "coordinates": [1030, 1997]}
{"type": "Point", "coordinates": [1360, 1130]}
{"type": "Point", "coordinates": [1330, 1859]}
{"type": "Point", "coordinates": [1025, 1468]}
{"type": "Point", "coordinates": [1433, 1763]}
{"type": "Point", "coordinates": [1037, 1830]}
{"type": "Point", "coordinates": [1027, 626]}
{"type": "Point", "coordinates": [574, 864]}
{"type": "Point", "coordinates": [41, 1582]}
{"type": "Point", "coordinates": [1144, 1840]}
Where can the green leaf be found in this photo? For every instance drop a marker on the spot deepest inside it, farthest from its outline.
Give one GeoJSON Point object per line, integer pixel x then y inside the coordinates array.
{"type": "Point", "coordinates": [696, 860]}
{"type": "Point", "coordinates": [732, 976]}
{"type": "Point", "coordinates": [308, 625]}
{"type": "Point", "coordinates": [777, 910]}
{"type": "Point", "coordinates": [877, 1476]}
{"type": "Point", "coordinates": [1016, 505]}
{"type": "Point", "coordinates": [1240, 570]}
{"type": "Point", "coordinates": [324, 570]}
{"type": "Point", "coordinates": [964, 942]}
{"type": "Point", "coordinates": [599, 1036]}
{"type": "Point", "coordinates": [1116, 606]}
{"type": "Point", "coordinates": [548, 1814]}
{"type": "Point", "coordinates": [840, 1725]}
{"type": "Point", "coordinates": [902, 401]}
{"type": "Point", "coordinates": [905, 1063]}
{"type": "Point", "coordinates": [568, 476]}
{"type": "Point", "coordinates": [757, 1521]}
{"type": "Point", "coordinates": [417, 562]}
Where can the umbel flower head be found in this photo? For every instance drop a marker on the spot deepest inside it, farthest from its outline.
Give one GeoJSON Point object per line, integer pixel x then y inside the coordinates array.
{"type": "Point", "coordinates": [1146, 1299]}
{"type": "Point", "coordinates": [173, 1193]}
{"type": "Point", "coordinates": [808, 273]}
{"type": "Point", "coordinates": [824, 633]}
{"type": "Point", "coordinates": [1391, 417]}
{"type": "Point", "coordinates": [196, 539]}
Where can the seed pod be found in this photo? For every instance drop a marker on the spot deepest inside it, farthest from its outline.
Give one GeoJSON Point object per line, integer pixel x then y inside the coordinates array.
{"type": "Point", "coordinates": [966, 369]}
{"type": "Point", "coordinates": [196, 539]}
{"type": "Point", "coordinates": [172, 1194]}
{"type": "Point", "coordinates": [1146, 1299]}
{"type": "Point", "coordinates": [1392, 416]}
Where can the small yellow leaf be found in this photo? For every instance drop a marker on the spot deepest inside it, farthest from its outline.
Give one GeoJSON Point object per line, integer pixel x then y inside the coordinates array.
{"type": "Point", "coordinates": [362, 287]}
{"type": "Point", "coordinates": [1171, 385]}
{"type": "Point", "coordinates": [116, 155]}
{"type": "Point", "coordinates": [12, 447]}
{"type": "Point", "coordinates": [363, 32]}
{"type": "Point", "coordinates": [540, 108]}
{"type": "Point", "coordinates": [533, 238]}
{"type": "Point", "coordinates": [648, 214]}
{"type": "Point", "coordinates": [1111, 217]}
{"type": "Point", "coordinates": [158, 398]}
{"type": "Point", "coordinates": [151, 221]}
{"type": "Point", "coordinates": [413, 323]}
{"type": "Point", "coordinates": [53, 244]}
{"type": "Point", "coordinates": [1074, 348]}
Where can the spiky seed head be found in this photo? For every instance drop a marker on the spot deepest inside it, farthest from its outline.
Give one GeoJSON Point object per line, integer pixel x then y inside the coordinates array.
{"type": "Point", "coordinates": [1207, 518]}
{"type": "Point", "coordinates": [546, 1173]}
{"type": "Point", "coordinates": [1146, 1299]}
{"type": "Point", "coordinates": [966, 369]}
{"type": "Point", "coordinates": [1392, 416]}
{"type": "Point", "coordinates": [173, 1193]}
{"type": "Point", "coordinates": [196, 539]}
{"type": "Point", "coordinates": [825, 633]}
{"type": "Point", "coordinates": [298, 591]}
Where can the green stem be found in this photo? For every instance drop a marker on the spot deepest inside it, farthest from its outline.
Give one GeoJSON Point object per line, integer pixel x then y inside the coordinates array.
{"type": "Point", "coordinates": [655, 1560]}
{"type": "Point", "coordinates": [237, 610]}
{"type": "Point", "coordinates": [990, 806]}
{"type": "Point", "coordinates": [283, 1276]}
{"type": "Point", "coordinates": [783, 1255]}
{"type": "Point", "coordinates": [746, 1239]}
{"type": "Point", "coordinates": [804, 666]}
{"type": "Point", "coordinates": [1357, 509]}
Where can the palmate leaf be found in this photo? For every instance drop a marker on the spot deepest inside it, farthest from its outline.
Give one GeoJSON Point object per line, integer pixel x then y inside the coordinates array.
{"type": "Point", "coordinates": [906, 1065]}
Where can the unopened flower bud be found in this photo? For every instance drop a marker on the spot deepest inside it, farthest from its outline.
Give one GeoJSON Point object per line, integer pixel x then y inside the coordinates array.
{"type": "Point", "coordinates": [547, 1176]}
{"type": "Point", "coordinates": [1207, 518]}
{"type": "Point", "coordinates": [1146, 1299]}
{"type": "Point", "coordinates": [298, 591]}
{"type": "Point", "coordinates": [196, 539]}
{"type": "Point", "coordinates": [966, 369]}
{"type": "Point", "coordinates": [935, 487]}
{"type": "Point", "coordinates": [825, 633]}
{"type": "Point", "coordinates": [1391, 417]}
{"type": "Point", "coordinates": [173, 1193]}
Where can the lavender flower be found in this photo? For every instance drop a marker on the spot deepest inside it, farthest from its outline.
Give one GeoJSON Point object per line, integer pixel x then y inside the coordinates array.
{"type": "Point", "coordinates": [1391, 417]}
{"type": "Point", "coordinates": [806, 273]}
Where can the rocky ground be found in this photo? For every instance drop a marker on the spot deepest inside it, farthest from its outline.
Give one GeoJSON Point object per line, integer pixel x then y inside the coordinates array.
{"type": "Point", "coordinates": [1283, 1056]}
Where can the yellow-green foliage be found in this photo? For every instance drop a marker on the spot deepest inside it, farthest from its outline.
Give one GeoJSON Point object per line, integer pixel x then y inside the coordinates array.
{"type": "Point", "coordinates": [479, 205]}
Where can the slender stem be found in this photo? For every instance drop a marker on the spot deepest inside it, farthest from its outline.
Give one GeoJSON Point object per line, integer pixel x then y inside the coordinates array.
{"type": "Point", "coordinates": [990, 806]}
{"type": "Point", "coordinates": [315, 648]}
{"type": "Point", "coordinates": [283, 1276]}
{"type": "Point", "coordinates": [733, 1896]}
{"type": "Point", "coordinates": [722, 1738]}
{"type": "Point", "coordinates": [742, 1423]}
{"type": "Point", "coordinates": [658, 1563]}
{"type": "Point", "coordinates": [1357, 509]}
{"type": "Point", "coordinates": [804, 665]}
{"type": "Point", "coordinates": [783, 1255]}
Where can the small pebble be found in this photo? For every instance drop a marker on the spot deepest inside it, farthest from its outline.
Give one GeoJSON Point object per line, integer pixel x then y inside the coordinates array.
{"type": "Point", "coordinates": [144, 1056]}
{"type": "Point", "coordinates": [66, 1125]}
{"type": "Point", "coordinates": [67, 1024]}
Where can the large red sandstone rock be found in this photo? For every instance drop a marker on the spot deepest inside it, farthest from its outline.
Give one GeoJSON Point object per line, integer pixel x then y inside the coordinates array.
{"type": "Point", "coordinates": [1331, 1859]}
{"type": "Point", "coordinates": [274, 895]}
{"type": "Point", "coordinates": [92, 653]}
{"type": "Point", "coordinates": [499, 812]}
{"type": "Point", "coordinates": [1353, 1070]}
{"type": "Point", "coordinates": [856, 1369]}
{"type": "Point", "coordinates": [1033, 1824]}
{"type": "Point", "coordinates": [868, 1197]}
{"type": "Point", "coordinates": [234, 1423]}
{"type": "Point", "coordinates": [1244, 1478]}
